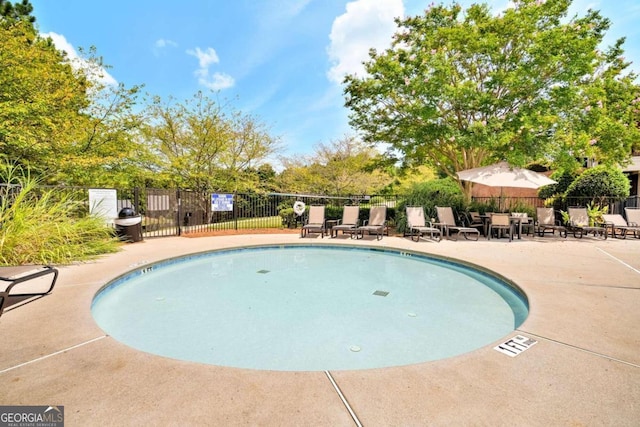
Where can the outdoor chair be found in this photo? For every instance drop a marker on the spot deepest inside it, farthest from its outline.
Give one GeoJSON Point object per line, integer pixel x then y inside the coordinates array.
{"type": "Point", "coordinates": [375, 224]}
{"type": "Point", "coordinates": [348, 223]}
{"type": "Point", "coordinates": [417, 224]}
{"type": "Point", "coordinates": [473, 219]}
{"type": "Point", "coordinates": [315, 221]}
{"type": "Point", "coordinates": [633, 216]}
{"type": "Point", "coordinates": [25, 283]}
{"type": "Point", "coordinates": [580, 226]}
{"type": "Point", "coordinates": [447, 222]}
{"type": "Point", "coordinates": [500, 222]}
{"type": "Point", "coordinates": [524, 223]}
{"type": "Point", "coordinates": [618, 227]}
{"type": "Point", "coordinates": [546, 223]}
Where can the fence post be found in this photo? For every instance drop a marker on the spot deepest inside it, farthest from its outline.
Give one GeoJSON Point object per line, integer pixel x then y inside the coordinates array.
{"type": "Point", "coordinates": [235, 209]}
{"type": "Point", "coordinates": [179, 214]}
{"type": "Point", "coordinates": [136, 199]}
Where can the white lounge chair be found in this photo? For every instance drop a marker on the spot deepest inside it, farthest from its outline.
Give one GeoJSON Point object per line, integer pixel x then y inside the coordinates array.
{"type": "Point", "coordinates": [579, 223]}
{"type": "Point", "coordinates": [417, 224]}
{"type": "Point", "coordinates": [375, 224]}
{"type": "Point", "coordinates": [315, 221]}
{"type": "Point", "coordinates": [618, 227]}
{"type": "Point", "coordinates": [447, 222]}
{"type": "Point", "coordinates": [348, 223]}
{"type": "Point", "coordinates": [546, 223]}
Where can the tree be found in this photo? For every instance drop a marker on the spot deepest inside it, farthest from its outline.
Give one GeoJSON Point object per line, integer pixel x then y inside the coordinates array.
{"type": "Point", "coordinates": [17, 11]}
{"type": "Point", "coordinates": [458, 92]}
{"type": "Point", "coordinates": [337, 169]}
{"type": "Point", "coordinates": [600, 184]}
{"type": "Point", "coordinates": [40, 100]}
{"type": "Point", "coordinates": [58, 119]}
{"type": "Point", "coordinates": [202, 146]}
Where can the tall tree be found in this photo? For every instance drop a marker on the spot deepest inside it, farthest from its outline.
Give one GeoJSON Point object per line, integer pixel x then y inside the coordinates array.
{"type": "Point", "coordinates": [17, 11]}
{"type": "Point", "coordinates": [41, 98]}
{"type": "Point", "coordinates": [204, 145]}
{"type": "Point", "coordinates": [458, 91]}
{"type": "Point", "coordinates": [339, 168]}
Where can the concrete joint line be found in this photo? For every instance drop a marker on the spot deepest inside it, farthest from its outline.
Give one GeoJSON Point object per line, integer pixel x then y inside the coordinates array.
{"type": "Point", "coordinates": [581, 349]}
{"type": "Point", "coordinates": [344, 400]}
{"type": "Point", "coordinates": [619, 260]}
{"type": "Point", "coordinates": [52, 354]}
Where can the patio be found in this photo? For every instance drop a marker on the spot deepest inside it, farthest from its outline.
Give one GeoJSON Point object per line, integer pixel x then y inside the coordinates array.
{"type": "Point", "coordinates": [585, 369]}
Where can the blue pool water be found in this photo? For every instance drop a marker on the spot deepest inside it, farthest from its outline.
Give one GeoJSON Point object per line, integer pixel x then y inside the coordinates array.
{"type": "Point", "coordinates": [308, 308]}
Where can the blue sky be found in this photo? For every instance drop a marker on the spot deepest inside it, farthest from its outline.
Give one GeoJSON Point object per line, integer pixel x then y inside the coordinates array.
{"type": "Point", "coordinates": [279, 60]}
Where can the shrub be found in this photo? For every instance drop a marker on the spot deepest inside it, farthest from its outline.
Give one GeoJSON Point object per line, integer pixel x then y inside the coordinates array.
{"type": "Point", "coordinates": [599, 185]}
{"type": "Point", "coordinates": [563, 179]}
{"type": "Point", "coordinates": [437, 192]}
{"type": "Point", "coordinates": [46, 228]}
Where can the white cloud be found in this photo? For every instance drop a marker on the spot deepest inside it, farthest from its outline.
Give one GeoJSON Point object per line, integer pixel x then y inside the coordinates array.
{"type": "Point", "coordinates": [366, 24]}
{"type": "Point", "coordinates": [205, 58]}
{"type": "Point", "coordinates": [215, 81]}
{"type": "Point", "coordinates": [92, 71]}
{"type": "Point", "coordinates": [160, 43]}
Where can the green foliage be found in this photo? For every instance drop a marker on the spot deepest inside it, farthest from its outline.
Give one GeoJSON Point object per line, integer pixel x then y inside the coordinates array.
{"type": "Point", "coordinates": [41, 99]}
{"type": "Point", "coordinates": [460, 90]}
{"type": "Point", "coordinates": [595, 213]}
{"type": "Point", "coordinates": [599, 185]}
{"type": "Point", "coordinates": [44, 228]}
{"type": "Point", "coordinates": [343, 167]}
{"type": "Point", "coordinates": [438, 192]}
{"type": "Point", "coordinates": [563, 179]}
{"type": "Point", "coordinates": [16, 11]}
{"type": "Point", "coordinates": [204, 145]}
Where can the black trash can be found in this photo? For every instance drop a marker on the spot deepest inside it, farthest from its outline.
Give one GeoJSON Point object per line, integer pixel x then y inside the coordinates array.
{"type": "Point", "coordinates": [128, 225]}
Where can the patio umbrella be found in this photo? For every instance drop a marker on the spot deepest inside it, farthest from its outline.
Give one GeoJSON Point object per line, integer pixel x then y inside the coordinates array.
{"type": "Point", "coordinates": [504, 175]}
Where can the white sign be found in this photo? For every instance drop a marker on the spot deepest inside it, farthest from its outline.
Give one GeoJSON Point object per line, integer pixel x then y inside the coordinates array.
{"type": "Point", "coordinates": [515, 345]}
{"type": "Point", "coordinates": [222, 202]}
{"type": "Point", "coordinates": [103, 203]}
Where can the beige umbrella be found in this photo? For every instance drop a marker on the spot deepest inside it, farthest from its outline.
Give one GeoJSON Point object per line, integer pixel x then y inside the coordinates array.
{"type": "Point", "coordinates": [504, 175]}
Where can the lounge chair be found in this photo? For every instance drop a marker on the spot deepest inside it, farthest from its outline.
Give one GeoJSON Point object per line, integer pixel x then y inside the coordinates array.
{"type": "Point", "coordinates": [579, 223]}
{"type": "Point", "coordinates": [417, 225]}
{"type": "Point", "coordinates": [10, 277]}
{"type": "Point", "coordinates": [447, 223]}
{"type": "Point", "coordinates": [474, 220]}
{"type": "Point", "coordinates": [633, 216]}
{"type": "Point", "coordinates": [500, 222]}
{"type": "Point", "coordinates": [348, 223]}
{"type": "Point", "coordinates": [546, 223]}
{"type": "Point", "coordinates": [315, 222]}
{"type": "Point", "coordinates": [618, 227]}
{"type": "Point", "coordinates": [375, 224]}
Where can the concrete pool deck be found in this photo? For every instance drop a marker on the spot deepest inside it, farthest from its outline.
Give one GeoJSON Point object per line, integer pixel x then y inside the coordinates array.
{"type": "Point", "coordinates": [584, 297]}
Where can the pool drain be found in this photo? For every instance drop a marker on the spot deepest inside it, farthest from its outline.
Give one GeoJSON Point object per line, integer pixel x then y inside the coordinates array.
{"type": "Point", "coordinates": [263, 271]}
{"type": "Point", "coordinates": [381, 293]}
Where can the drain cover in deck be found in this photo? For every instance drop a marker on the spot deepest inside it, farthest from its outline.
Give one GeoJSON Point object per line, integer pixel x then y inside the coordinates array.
{"type": "Point", "coordinates": [381, 293]}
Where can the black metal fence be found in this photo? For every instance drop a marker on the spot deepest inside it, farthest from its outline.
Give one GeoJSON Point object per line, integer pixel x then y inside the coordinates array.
{"type": "Point", "coordinates": [514, 204]}
{"type": "Point", "coordinates": [177, 212]}
{"type": "Point", "coordinates": [167, 212]}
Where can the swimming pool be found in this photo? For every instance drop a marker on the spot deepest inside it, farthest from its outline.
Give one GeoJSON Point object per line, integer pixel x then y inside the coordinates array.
{"type": "Point", "coordinates": [309, 308]}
